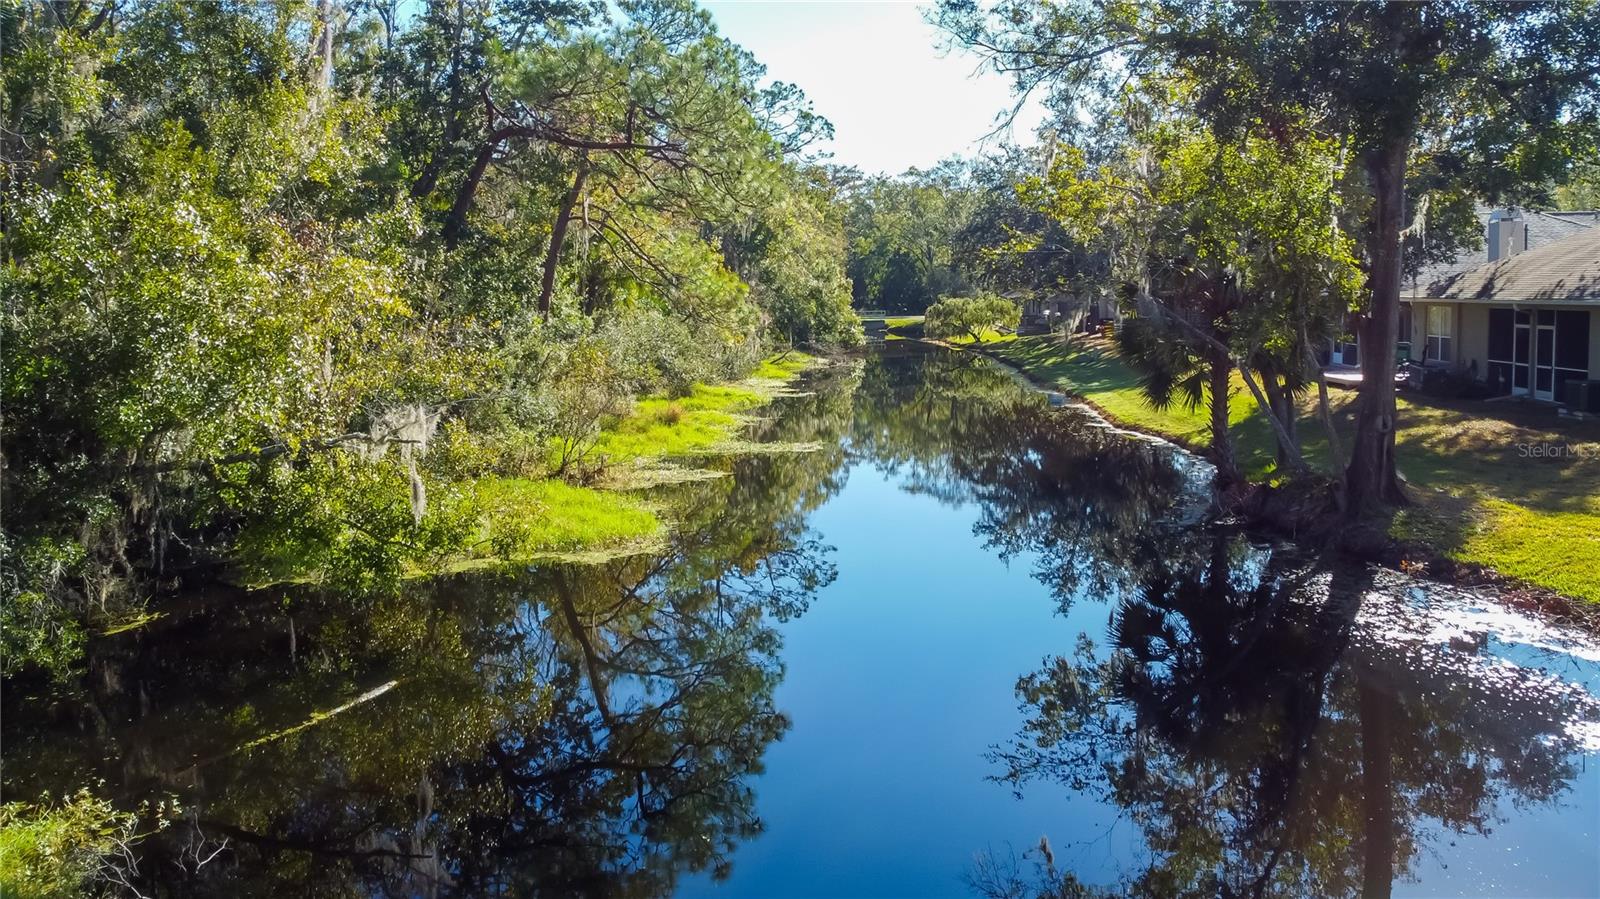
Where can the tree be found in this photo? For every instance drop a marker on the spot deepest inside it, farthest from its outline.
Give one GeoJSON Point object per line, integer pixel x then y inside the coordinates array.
{"type": "Point", "coordinates": [257, 255]}
{"type": "Point", "coordinates": [793, 255]}
{"type": "Point", "coordinates": [973, 317]}
{"type": "Point", "coordinates": [1507, 91]}
{"type": "Point", "coordinates": [1012, 247]}
{"type": "Point", "coordinates": [901, 233]}
{"type": "Point", "coordinates": [657, 110]}
{"type": "Point", "coordinates": [1228, 252]}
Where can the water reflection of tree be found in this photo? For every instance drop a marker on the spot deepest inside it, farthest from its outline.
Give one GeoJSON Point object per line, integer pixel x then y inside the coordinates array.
{"type": "Point", "coordinates": [1264, 742]}
{"type": "Point", "coordinates": [1086, 502]}
{"type": "Point", "coordinates": [571, 730]}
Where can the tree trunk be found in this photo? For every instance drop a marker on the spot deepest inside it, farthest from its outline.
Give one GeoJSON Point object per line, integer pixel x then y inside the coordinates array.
{"type": "Point", "coordinates": [319, 55]}
{"type": "Point", "coordinates": [1377, 785]}
{"type": "Point", "coordinates": [434, 168]}
{"type": "Point", "coordinates": [1371, 476]}
{"type": "Point", "coordinates": [599, 687]}
{"type": "Point", "coordinates": [558, 236]}
{"type": "Point", "coordinates": [1221, 440]}
{"type": "Point", "coordinates": [456, 221]}
{"type": "Point", "coordinates": [1280, 415]}
{"type": "Point", "coordinates": [1280, 402]}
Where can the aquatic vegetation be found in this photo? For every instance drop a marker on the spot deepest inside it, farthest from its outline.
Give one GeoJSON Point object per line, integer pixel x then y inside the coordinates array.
{"type": "Point", "coordinates": [522, 518]}
{"type": "Point", "coordinates": [62, 849]}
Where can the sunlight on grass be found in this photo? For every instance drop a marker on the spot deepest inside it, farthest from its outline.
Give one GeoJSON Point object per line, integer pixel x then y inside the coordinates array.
{"type": "Point", "coordinates": [1557, 550]}
{"type": "Point", "coordinates": [784, 366]}
{"type": "Point", "coordinates": [986, 337]}
{"type": "Point", "coordinates": [526, 517]}
{"type": "Point", "coordinates": [1091, 369]}
{"type": "Point", "coordinates": [675, 427]}
{"type": "Point", "coordinates": [1480, 498]}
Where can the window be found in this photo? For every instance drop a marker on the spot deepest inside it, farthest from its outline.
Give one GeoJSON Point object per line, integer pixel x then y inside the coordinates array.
{"type": "Point", "coordinates": [1571, 356]}
{"type": "Point", "coordinates": [1440, 332]}
{"type": "Point", "coordinates": [1502, 353]}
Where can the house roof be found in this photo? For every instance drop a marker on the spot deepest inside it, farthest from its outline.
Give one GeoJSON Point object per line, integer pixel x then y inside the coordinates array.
{"type": "Point", "coordinates": [1543, 229]}
{"type": "Point", "coordinates": [1563, 271]}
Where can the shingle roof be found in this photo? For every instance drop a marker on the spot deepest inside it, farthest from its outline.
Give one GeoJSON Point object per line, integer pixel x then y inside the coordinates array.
{"type": "Point", "coordinates": [1563, 271]}
{"type": "Point", "coordinates": [1543, 229]}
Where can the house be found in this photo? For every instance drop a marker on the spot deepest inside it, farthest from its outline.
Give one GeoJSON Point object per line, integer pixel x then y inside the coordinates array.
{"type": "Point", "coordinates": [1075, 312]}
{"type": "Point", "coordinates": [1525, 321]}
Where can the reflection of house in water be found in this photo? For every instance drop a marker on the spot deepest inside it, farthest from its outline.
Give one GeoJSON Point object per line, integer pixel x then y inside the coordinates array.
{"type": "Point", "coordinates": [1519, 320]}
{"type": "Point", "coordinates": [1051, 310]}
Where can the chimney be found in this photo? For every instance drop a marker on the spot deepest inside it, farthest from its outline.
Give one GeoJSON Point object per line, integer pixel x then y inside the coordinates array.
{"type": "Point", "coordinates": [1507, 233]}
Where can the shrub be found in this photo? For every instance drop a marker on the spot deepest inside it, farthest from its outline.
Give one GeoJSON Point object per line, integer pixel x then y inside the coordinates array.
{"type": "Point", "coordinates": [970, 316]}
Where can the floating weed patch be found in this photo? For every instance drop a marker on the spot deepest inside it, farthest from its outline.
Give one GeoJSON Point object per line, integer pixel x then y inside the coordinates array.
{"type": "Point", "coordinates": [527, 520]}
{"type": "Point", "coordinates": [655, 544]}
{"type": "Point", "coordinates": [659, 427]}
{"type": "Point", "coordinates": [646, 435]}
{"type": "Point", "coordinates": [752, 448]}
{"type": "Point", "coordinates": [644, 477]}
{"type": "Point", "coordinates": [316, 717]}
{"type": "Point", "coordinates": [133, 623]}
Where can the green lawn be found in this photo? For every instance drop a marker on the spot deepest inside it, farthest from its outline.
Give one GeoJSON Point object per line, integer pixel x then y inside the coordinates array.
{"type": "Point", "coordinates": [1481, 498]}
{"type": "Point", "coordinates": [986, 337]}
{"type": "Point", "coordinates": [1091, 368]}
{"type": "Point", "coordinates": [902, 321]}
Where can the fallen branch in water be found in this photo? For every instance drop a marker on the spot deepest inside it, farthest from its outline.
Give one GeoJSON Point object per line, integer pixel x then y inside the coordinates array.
{"type": "Point", "coordinates": [316, 718]}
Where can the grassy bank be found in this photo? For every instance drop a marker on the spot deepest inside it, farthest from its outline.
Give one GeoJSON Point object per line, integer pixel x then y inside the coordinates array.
{"type": "Point", "coordinates": [504, 497]}
{"type": "Point", "coordinates": [527, 518]}
{"type": "Point", "coordinates": [1483, 496]}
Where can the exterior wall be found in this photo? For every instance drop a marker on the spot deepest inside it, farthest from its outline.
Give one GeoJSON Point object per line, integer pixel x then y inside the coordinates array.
{"type": "Point", "coordinates": [1471, 335]}
{"type": "Point", "coordinates": [1472, 338]}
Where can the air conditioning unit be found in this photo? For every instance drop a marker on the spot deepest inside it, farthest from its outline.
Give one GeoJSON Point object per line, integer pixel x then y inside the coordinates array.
{"type": "Point", "coordinates": [1582, 396]}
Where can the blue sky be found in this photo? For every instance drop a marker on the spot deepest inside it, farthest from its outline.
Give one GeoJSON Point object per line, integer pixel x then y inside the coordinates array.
{"type": "Point", "coordinates": [876, 71]}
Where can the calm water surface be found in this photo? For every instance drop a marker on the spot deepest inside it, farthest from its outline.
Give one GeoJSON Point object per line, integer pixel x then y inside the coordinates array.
{"type": "Point", "coordinates": [940, 640]}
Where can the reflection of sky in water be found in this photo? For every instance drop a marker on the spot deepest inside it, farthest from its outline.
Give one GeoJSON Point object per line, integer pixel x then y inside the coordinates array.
{"type": "Point", "coordinates": [1551, 669]}
{"type": "Point", "coordinates": [900, 677]}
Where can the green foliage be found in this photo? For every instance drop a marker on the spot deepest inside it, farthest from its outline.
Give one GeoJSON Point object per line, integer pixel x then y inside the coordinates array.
{"type": "Point", "coordinates": [36, 628]}
{"type": "Point", "coordinates": [800, 279]}
{"type": "Point", "coordinates": [1225, 248]}
{"type": "Point", "coordinates": [1581, 190]}
{"type": "Point", "coordinates": [253, 267]}
{"type": "Point", "coordinates": [901, 233]}
{"type": "Point", "coordinates": [347, 521]}
{"type": "Point", "coordinates": [1415, 94]}
{"type": "Point", "coordinates": [57, 850]}
{"type": "Point", "coordinates": [973, 317]}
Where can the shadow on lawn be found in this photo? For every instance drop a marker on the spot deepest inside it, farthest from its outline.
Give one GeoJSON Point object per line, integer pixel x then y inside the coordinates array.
{"type": "Point", "coordinates": [1518, 454]}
